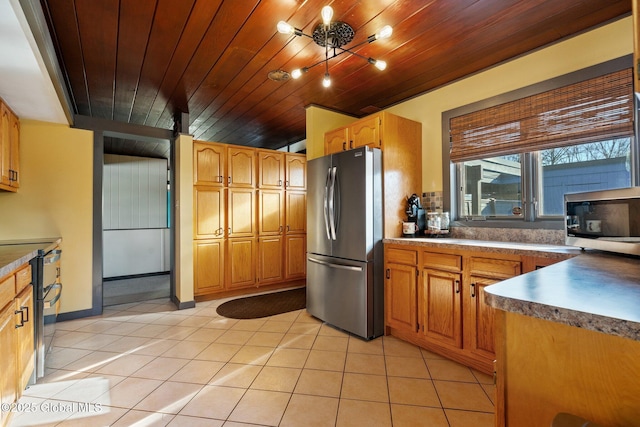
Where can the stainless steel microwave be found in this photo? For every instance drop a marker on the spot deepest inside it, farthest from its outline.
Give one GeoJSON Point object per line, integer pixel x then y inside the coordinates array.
{"type": "Point", "coordinates": [608, 220]}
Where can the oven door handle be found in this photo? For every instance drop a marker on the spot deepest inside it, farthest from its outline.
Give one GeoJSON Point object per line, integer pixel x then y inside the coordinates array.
{"type": "Point", "coordinates": [52, 256]}
{"type": "Point", "coordinates": [54, 300]}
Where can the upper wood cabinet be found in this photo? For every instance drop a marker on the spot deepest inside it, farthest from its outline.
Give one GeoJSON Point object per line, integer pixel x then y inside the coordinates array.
{"type": "Point", "coordinates": [336, 140]}
{"type": "Point", "coordinates": [295, 171]}
{"type": "Point", "coordinates": [209, 164]}
{"type": "Point", "coordinates": [9, 149]}
{"type": "Point", "coordinates": [366, 132]}
{"type": "Point", "coordinates": [241, 167]}
{"type": "Point", "coordinates": [271, 170]}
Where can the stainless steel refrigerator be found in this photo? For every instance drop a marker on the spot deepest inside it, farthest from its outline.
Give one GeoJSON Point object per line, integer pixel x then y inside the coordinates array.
{"type": "Point", "coordinates": [345, 287]}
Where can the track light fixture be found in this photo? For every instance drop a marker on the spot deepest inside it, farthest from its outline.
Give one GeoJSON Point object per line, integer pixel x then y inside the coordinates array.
{"type": "Point", "coordinates": [333, 35]}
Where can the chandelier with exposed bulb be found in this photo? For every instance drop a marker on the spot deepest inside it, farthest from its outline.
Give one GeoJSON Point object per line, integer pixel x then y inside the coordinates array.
{"type": "Point", "coordinates": [332, 36]}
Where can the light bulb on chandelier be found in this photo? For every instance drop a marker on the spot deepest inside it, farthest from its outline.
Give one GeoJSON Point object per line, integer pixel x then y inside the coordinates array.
{"type": "Point", "coordinates": [333, 35]}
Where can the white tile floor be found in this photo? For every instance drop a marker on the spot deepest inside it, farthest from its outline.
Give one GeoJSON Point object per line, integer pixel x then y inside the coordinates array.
{"type": "Point", "coordinates": [147, 364]}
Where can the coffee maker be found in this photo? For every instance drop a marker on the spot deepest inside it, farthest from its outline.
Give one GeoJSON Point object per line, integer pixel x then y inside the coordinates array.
{"type": "Point", "coordinates": [415, 214]}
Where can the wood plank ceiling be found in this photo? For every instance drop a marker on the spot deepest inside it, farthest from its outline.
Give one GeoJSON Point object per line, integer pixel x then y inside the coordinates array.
{"type": "Point", "coordinates": [143, 61]}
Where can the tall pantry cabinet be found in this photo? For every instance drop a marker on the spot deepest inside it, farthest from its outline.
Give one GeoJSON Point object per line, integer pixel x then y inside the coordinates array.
{"type": "Point", "coordinates": [245, 203]}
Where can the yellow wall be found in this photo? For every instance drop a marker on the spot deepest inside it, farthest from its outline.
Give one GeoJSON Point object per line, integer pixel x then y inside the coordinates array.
{"type": "Point", "coordinates": [599, 45]}
{"type": "Point", "coordinates": [55, 200]}
{"type": "Point", "coordinates": [319, 121]}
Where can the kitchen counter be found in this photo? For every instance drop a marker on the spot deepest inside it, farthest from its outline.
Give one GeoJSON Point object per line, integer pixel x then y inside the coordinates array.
{"type": "Point", "coordinates": [595, 291]}
{"type": "Point", "coordinates": [15, 253]}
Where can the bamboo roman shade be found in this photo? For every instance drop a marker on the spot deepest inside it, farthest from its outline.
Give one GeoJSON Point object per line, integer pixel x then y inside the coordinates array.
{"type": "Point", "coordinates": [592, 110]}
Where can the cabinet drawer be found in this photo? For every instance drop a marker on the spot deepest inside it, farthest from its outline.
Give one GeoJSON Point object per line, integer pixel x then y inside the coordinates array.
{"type": "Point", "coordinates": [447, 262]}
{"type": "Point", "coordinates": [497, 268]}
{"type": "Point", "coordinates": [402, 256]}
{"type": "Point", "coordinates": [7, 290]}
{"type": "Point", "coordinates": [23, 278]}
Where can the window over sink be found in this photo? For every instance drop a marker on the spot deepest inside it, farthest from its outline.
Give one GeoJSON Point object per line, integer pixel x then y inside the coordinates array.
{"type": "Point", "coordinates": [513, 157]}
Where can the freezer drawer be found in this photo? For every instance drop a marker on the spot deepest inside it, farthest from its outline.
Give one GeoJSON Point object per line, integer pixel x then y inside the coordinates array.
{"type": "Point", "coordinates": [341, 292]}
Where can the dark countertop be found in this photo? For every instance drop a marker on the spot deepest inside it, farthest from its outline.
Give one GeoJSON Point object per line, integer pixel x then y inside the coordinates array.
{"type": "Point", "coordinates": [15, 253]}
{"type": "Point", "coordinates": [594, 290]}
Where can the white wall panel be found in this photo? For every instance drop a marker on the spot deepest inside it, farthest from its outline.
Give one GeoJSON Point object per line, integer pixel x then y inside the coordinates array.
{"type": "Point", "coordinates": [135, 192]}
{"type": "Point", "coordinates": [135, 251]}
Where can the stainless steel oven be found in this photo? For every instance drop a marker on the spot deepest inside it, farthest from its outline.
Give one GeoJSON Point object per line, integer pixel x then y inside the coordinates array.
{"type": "Point", "coordinates": [608, 220]}
{"type": "Point", "coordinates": [47, 290]}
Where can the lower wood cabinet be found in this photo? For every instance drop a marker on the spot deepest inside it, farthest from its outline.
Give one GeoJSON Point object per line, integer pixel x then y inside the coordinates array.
{"type": "Point", "coordinates": [295, 256]}
{"type": "Point", "coordinates": [241, 262]}
{"type": "Point", "coordinates": [8, 350]}
{"type": "Point", "coordinates": [16, 337]}
{"type": "Point", "coordinates": [435, 299]}
{"type": "Point", "coordinates": [439, 307]}
{"type": "Point", "coordinates": [25, 335]}
{"type": "Point", "coordinates": [209, 266]}
{"type": "Point", "coordinates": [270, 259]}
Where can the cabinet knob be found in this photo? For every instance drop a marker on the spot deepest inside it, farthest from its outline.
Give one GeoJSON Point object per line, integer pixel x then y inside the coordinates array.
{"type": "Point", "coordinates": [457, 286]}
{"type": "Point", "coordinates": [344, 146]}
{"type": "Point", "coordinates": [388, 274]}
{"type": "Point", "coordinates": [279, 183]}
{"type": "Point", "coordinates": [473, 290]}
{"type": "Point", "coordinates": [350, 144]}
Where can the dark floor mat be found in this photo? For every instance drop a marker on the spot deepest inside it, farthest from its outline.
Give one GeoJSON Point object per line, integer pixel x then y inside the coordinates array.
{"type": "Point", "coordinates": [264, 305]}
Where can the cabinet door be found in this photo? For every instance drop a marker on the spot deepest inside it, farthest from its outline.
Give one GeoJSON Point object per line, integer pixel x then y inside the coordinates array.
{"type": "Point", "coordinates": [270, 262]}
{"type": "Point", "coordinates": [14, 138]}
{"type": "Point", "coordinates": [209, 211]}
{"type": "Point", "coordinates": [209, 162]}
{"type": "Point", "coordinates": [401, 296]}
{"type": "Point", "coordinates": [5, 145]}
{"type": "Point", "coordinates": [242, 213]}
{"type": "Point", "coordinates": [479, 324]}
{"type": "Point", "coordinates": [8, 360]}
{"type": "Point", "coordinates": [270, 169]}
{"type": "Point", "coordinates": [241, 167]}
{"type": "Point", "coordinates": [365, 132]}
{"type": "Point", "coordinates": [295, 172]}
{"type": "Point", "coordinates": [25, 329]}
{"type": "Point", "coordinates": [336, 140]}
{"type": "Point", "coordinates": [296, 212]}
{"type": "Point", "coordinates": [270, 212]}
{"type": "Point", "coordinates": [209, 265]}
{"type": "Point", "coordinates": [295, 256]}
{"type": "Point", "coordinates": [241, 263]}
{"type": "Point", "coordinates": [441, 317]}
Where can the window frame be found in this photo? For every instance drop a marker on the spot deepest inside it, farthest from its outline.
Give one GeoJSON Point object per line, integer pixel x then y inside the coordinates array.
{"type": "Point", "coordinates": [452, 174]}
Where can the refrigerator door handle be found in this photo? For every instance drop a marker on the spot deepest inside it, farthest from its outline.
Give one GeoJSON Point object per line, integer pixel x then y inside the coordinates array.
{"type": "Point", "coordinates": [332, 203]}
{"type": "Point", "coordinates": [333, 265]}
{"type": "Point", "coordinates": [326, 204]}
